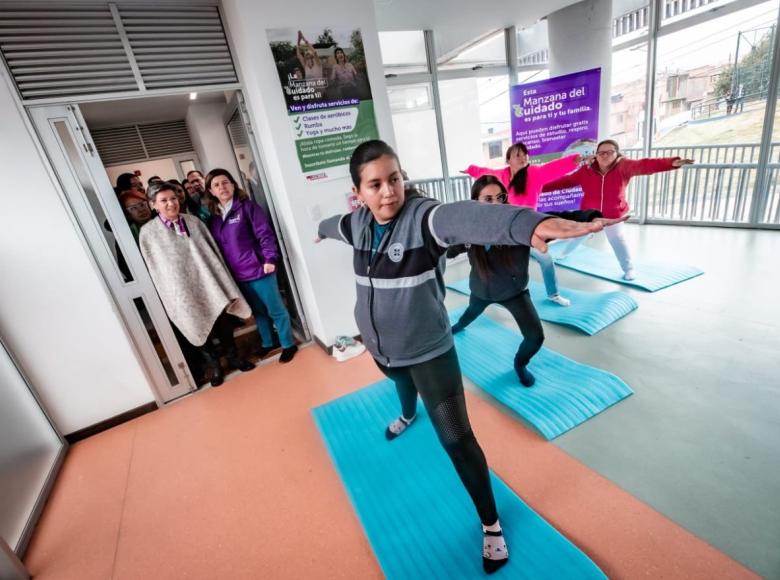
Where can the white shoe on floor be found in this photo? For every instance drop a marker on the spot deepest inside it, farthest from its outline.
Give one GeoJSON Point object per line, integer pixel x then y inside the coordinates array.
{"type": "Point", "coordinates": [346, 348]}
{"type": "Point", "coordinates": [559, 300]}
{"type": "Point", "coordinates": [629, 275]}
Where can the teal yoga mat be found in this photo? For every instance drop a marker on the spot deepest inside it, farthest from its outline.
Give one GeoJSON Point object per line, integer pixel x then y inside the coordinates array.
{"type": "Point", "coordinates": [650, 275]}
{"type": "Point", "coordinates": [566, 392]}
{"type": "Point", "coordinates": [589, 312]}
{"type": "Point", "coordinates": [415, 512]}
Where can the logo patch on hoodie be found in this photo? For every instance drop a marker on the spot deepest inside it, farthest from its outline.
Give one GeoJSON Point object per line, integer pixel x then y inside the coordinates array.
{"type": "Point", "coordinates": [396, 252]}
{"type": "Point", "coordinates": [235, 220]}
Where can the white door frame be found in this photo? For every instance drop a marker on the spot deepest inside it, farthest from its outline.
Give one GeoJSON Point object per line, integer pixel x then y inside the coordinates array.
{"type": "Point", "coordinates": [238, 104]}
{"type": "Point", "coordinates": [70, 149]}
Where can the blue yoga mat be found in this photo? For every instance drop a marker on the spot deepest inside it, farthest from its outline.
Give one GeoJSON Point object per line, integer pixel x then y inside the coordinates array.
{"type": "Point", "coordinates": [566, 392]}
{"type": "Point", "coordinates": [589, 312]}
{"type": "Point", "coordinates": [416, 513]}
{"type": "Point", "coordinates": [650, 276]}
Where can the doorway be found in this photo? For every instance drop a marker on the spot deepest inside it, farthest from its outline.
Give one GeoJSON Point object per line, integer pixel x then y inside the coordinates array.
{"type": "Point", "coordinates": [89, 144]}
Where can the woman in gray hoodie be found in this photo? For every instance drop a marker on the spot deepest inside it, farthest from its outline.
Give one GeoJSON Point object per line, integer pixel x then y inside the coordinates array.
{"type": "Point", "coordinates": [399, 240]}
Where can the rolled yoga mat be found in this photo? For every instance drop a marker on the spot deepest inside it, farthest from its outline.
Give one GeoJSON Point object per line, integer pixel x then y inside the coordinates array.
{"type": "Point", "coordinates": [589, 312]}
{"type": "Point", "coordinates": [566, 393]}
{"type": "Point", "coordinates": [650, 276]}
{"type": "Point", "coordinates": [414, 509]}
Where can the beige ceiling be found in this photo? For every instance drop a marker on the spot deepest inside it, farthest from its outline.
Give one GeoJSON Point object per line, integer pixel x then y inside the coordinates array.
{"type": "Point", "coordinates": [145, 110]}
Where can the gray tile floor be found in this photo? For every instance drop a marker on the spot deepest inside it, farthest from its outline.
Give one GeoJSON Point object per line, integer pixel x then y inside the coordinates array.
{"type": "Point", "coordinates": [700, 439]}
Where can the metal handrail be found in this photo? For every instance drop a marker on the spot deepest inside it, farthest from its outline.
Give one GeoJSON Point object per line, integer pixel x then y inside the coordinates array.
{"type": "Point", "coordinates": [718, 188]}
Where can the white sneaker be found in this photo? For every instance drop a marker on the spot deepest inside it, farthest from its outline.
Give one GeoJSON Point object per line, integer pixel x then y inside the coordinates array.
{"type": "Point", "coordinates": [629, 275]}
{"type": "Point", "coordinates": [559, 300]}
{"type": "Point", "coordinates": [346, 348]}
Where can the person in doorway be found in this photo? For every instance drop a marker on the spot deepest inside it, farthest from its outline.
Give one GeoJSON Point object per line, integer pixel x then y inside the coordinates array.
{"type": "Point", "coordinates": [308, 57]}
{"type": "Point", "coordinates": [198, 184]}
{"type": "Point", "coordinates": [186, 203]}
{"type": "Point", "coordinates": [193, 283]}
{"type": "Point", "coordinates": [523, 182]}
{"type": "Point", "coordinates": [136, 209]}
{"type": "Point", "coordinates": [128, 181]}
{"type": "Point", "coordinates": [245, 235]}
{"type": "Point", "coordinates": [129, 186]}
{"type": "Point", "coordinates": [604, 182]}
{"type": "Point", "coordinates": [399, 239]}
{"type": "Point", "coordinates": [499, 275]}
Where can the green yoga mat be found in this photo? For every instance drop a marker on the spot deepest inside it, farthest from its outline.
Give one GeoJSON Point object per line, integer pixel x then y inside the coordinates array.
{"type": "Point", "coordinates": [416, 514]}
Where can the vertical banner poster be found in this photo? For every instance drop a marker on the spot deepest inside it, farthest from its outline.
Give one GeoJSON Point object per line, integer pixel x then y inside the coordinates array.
{"type": "Point", "coordinates": [555, 118]}
{"type": "Point", "coordinates": [327, 94]}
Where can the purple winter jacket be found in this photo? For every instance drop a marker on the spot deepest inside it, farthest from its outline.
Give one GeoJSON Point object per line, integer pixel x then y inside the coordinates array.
{"type": "Point", "coordinates": [246, 237]}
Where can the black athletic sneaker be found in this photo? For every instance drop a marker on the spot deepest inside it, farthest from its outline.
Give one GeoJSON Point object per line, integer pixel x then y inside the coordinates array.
{"type": "Point", "coordinates": [288, 354]}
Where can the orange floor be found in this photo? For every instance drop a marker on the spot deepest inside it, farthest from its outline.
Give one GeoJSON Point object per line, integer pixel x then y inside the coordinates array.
{"type": "Point", "coordinates": [235, 483]}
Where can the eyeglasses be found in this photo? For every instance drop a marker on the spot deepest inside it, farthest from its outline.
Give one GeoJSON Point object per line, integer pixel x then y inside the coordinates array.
{"type": "Point", "coordinates": [137, 206]}
{"type": "Point", "coordinates": [607, 153]}
{"type": "Point", "coordinates": [500, 198]}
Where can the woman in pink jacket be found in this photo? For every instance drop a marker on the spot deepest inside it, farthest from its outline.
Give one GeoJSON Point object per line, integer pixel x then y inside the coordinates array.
{"type": "Point", "coordinates": [604, 183]}
{"type": "Point", "coordinates": [524, 183]}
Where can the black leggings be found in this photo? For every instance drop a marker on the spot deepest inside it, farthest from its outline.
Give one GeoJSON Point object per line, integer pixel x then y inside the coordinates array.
{"type": "Point", "coordinates": [440, 385]}
{"type": "Point", "coordinates": [524, 313]}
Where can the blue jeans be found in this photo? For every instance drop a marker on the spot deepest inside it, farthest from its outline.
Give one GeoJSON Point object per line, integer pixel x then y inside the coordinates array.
{"type": "Point", "coordinates": [548, 271]}
{"type": "Point", "coordinates": [266, 303]}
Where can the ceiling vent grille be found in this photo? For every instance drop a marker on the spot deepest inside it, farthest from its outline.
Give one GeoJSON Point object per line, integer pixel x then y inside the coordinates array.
{"type": "Point", "coordinates": [64, 52]}
{"type": "Point", "coordinates": [178, 48]}
{"type": "Point", "coordinates": [118, 145]}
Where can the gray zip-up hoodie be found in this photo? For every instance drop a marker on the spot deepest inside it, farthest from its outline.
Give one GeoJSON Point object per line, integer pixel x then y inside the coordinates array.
{"type": "Point", "coordinates": [400, 288]}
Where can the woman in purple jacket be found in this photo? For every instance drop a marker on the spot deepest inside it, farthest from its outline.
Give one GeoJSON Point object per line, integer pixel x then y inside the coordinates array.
{"type": "Point", "coordinates": [245, 235]}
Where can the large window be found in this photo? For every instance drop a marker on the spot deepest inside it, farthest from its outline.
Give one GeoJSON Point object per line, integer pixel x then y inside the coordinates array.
{"type": "Point", "coordinates": [710, 96]}
{"type": "Point", "coordinates": [403, 52]}
{"type": "Point", "coordinates": [627, 96]}
{"type": "Point", "coordinates": [770, 213]}
{"type": "Point", "coordinates": [487, 51]}
{"type": "Point", "coordinates": [675, 10]}
{"type": "Point", "coordinates": [414, 123]}
{"type": "Point", "coordinates": [533, 45]}
{"type": "Point", "coordinates": [476, 117]}
{"type": "Point", "coordinates": [711, 76]}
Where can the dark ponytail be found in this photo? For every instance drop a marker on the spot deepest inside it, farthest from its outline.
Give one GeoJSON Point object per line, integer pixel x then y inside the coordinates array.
{"type": "Point", "coordinates": [517, 185]}
{"type": "Point", "coordinates": [478, 252]}
{"type": "Point", "coordinates": [366, 153]}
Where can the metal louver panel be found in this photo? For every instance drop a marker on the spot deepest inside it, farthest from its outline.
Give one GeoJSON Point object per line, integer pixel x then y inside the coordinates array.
{"type": "Point", "coordinates": [164, 139]}
{"type": "Point", "coordinates": [177, 47]}
{"type": "Point", "coordinates": [64, 51]}
{"type": "Point", "coordinates": [237, 131]}
{"type": "Point", "coordinates": [118, 145]}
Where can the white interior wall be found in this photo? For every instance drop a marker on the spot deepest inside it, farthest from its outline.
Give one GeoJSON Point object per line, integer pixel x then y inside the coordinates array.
{"type": "Point", "coordinates": [208, 132]}
{"type": "Point", "coordinates": [55, 313]}
{"type": "Point", "coordinates": [323, 271]}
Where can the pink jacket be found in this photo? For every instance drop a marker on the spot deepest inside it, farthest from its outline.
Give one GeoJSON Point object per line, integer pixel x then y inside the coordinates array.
{"type": "Point", "coordinates": [607, 191]}
{"type": "Point", "coordinates": [538, 175]}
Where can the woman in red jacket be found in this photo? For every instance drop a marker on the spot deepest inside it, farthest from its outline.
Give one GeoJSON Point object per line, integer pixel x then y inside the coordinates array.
{"type": "Point", "coordinates": [604, 185]}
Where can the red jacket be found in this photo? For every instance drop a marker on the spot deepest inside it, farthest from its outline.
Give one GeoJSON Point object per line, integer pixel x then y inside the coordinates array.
{"type": "Point", "coordinates": [606, 192]}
